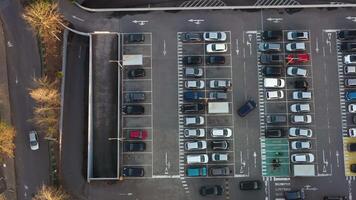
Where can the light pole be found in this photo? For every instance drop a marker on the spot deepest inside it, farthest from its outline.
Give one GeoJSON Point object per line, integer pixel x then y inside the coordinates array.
{"type": "Point", "coordinates": [118, 63]}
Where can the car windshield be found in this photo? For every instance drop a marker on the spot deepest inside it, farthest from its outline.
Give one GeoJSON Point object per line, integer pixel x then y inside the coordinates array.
{"type": "Point", "coordinates": [33, 143]}
{"type": "Point", "coordinates": [352, 58]}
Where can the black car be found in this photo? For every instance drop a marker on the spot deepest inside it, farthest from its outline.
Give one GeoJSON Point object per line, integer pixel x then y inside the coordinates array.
{"type": "Point", "coordinates": [289, 195]}
{"type": "Point", "coordinates": [135, 38]}
{"type": "Point", "coordinates": [271, 59]}
{"type": "Point", "coordinates": [301, 84]}
{"type": "Point", "coordinates": [348, 46]}
{"type": "Point", "coordinates": [216, 190]}
{"type": "Point", "coordinates": [276, 119]}
{"type": "Point", "coordinates": [134, 146]}
{"type": "Point", "coordinates": [192, 108]}
{"type": "Point", "coordinates": [353, 168]}
{"type": "Point", "coordinates": [249, 106]}
{"type": "Point", "coordinates": [133, 171]}
{"type": "Point", "coordinates": [191, 37]}
{"type": "Point", "coordinates": [335, 198]}
{"type": "Point", "coordinates": [134, 97]}
{"type": "Point", "coordinates": [274, 133]}
{"type": "Point", "coordinates": [351, 147]}
{"type": "Point", "coordinates": [215, 60]}
{"type": "Point", "coordinates": [272, 35]}
{"type": "Point", "coordinates": [133, 110]}
{"type": "Point", "coordinates": [346, 35]}
{"type": "Point", "coordinates": [193, 96]}
{"type": "Point", "coordinates": [192, 60]}
{"type": "Point", "coordinates": [220, 171]}
{"type": "Point", "coordinates": [134, 73]}
{"type": "Point", "coordinates": [250, 185]}
{"type": "Point", "coordinates": [220, 145]}
{"type": "Point", "coordinates": [272, 71]}
{"type": "Point", "coordinates": [354, 119]}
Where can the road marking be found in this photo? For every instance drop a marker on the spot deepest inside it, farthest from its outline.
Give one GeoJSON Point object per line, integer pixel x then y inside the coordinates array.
{"type": "Point", "coordinates": [317, 45]}
{"type": "Point", "coordinates": [352, 18]}
{"type": "Point", "coordinates": [274, 20]}
{"type": "Point", "coordinates": [196, 21]}
{"type": "Point", "coordinates": [78, 18]}
{"type": "Point", "coordinates": [237, 46]}
{"type": "Point", "coordinates": [164, 48]}
{"type": "Point", "coordinates": [16, 79]}
{"type": "Point", "coordinates": [140, 22]}
{"type": "Point", "coordinates": [9, 44]}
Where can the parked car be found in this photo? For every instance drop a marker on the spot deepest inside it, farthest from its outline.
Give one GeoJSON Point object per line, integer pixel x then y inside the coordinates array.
{"type": "Point", "coordinates": [193, 96]}
{"type": "Point", "coordinates": [215, 60]}
{"type": "Point", "coordinates": [350, 95]}
{"type": "Point", "coordinates": [274, 94]}
{"type": "Point", "coordinates": [250, 185]}
{"type": "Point", "coordinates": [300, 132]}
{"type": "Point", "coordinates": [274, 83]}
{"type": "Point", "coordinates": [194, 132]}
{"type": "Point", "coordinates": [192, 108]}
{"type": "Point", "coordinates": [215, 190]}
{"type": "Point", "coordinates": [346, 35]}
{"type": "Point", "coordinates": [219, 145]}
{"type": "Point", "coordinates": [138, 134]}
{"type": "Point", "coordinates": [133, 172]}
{"type": "Point", "coordinates": [214, 36]}
{"type": "Point", "coordinates": [276, 119]}
{"type": "Point", "coordinates": [297, 35]}
{"type": "Point", "coordinates": [219, 157]}
{"type": "Point", "coordinates": [216, 48]}
{"type": "Point", "coordinates": [297, 58]}
{"type": "Point", "coordinates": [353, 168]}
{"type": "Point", "coordinates": [300, 145]}
{"type": "Point", "coordinates": [134, 146]}
{"type": "Point", "coordinates": [193, 120]}
{"type": "Point", "coordinates": [294, 195]}
{"type": "Point", "coordinates": [295, 47]}
{"type": "Point", "coordinates": [195, 145]}
{"type": "Point", "coordinates": [335, 198]}
{"type": "Point", "coordinates": [34, 144]}
{"type": "Point", "coordinates": [350, 59]}
{"type": "Point", "coordinates": [220, 84]}
{"type": "Point", "coordinates": [349, 69]}
{"type": "Point", "coordinates": [352, 108]}
{"type": "Point", "coordinates": [300, 95]}
{"type": "Point", "coordinates": [352, 132]}
{"type": "Point", "coordinates": [270, 71]}
{"type": "Point", "coordinates": [192, 60]}
{"type": "Point", "coordinates": [193, 72]}
{"type": "Point", "coordinates": [348, 46]}
{"type": "Point", "coordinates": [196, 171]}
{"type": "Point", "coordinates": [249, 106]}
{"type": "Point", "coordinates": [197, 158]}
{"type": "Point", "coordinates": [136, 73]}
{"type": "Point", "coordinates": [351, 147]}
{"type": "Point", "coordinates": [301, 84]}
{"type": "Point", "coordinates": [133, 110]}
{"type": "Point", "coordinates": [136, 38]}
{"type": "Point", "coordinates": [194, 84]}
{"type": "Point", "coordinates": [271, 59]}
{"type": "Point", "coordinates": [191, 37]}
{"type": "Point", "coordinates": [296, 71]}
{"type": "Point", "coordinates": [217, 96]}
{"type": "Point", "coordinates": [301, 119]}
{"type": "Point", "coordinates": [221, 132]}
{"type": "Point", "coordinates": [350, 82]}
{"type": "Point", "coordinates": [269, 47]}
{"type": "Point", "coordinates": [220, 171]}
{"type": "Point", "coordinates": [274, 133]}
{"type": "Point", "coordinates": [272, 35]}
{"type": "Point", "coordinates": [133, 97]}
{"type": "Point", "coordinates": [300, 107]}
{"type": "Point", "coordinates": [302, 158]}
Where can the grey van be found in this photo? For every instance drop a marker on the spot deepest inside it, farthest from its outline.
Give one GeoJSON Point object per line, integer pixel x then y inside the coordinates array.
{"type": "Point", "coordinates": [350, 82]}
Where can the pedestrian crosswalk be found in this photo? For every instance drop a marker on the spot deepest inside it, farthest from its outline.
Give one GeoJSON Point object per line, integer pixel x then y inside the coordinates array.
{"type": "Point", "coordinates": [276, 2]}
{"type": "Point", "coordinates": [203, 3]}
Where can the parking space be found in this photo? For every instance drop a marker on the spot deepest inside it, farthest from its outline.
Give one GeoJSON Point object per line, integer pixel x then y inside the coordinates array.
{"type": "Point", "coordinates": [204, 79]}
{"type": "Point", "coordinates": [137, 120]}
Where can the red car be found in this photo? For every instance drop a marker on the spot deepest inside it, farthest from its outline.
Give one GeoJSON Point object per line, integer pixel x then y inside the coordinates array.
{"type": "Point", "coordinates": [298, 58]}
{"type": "Point", "coordinates": [138, 134]}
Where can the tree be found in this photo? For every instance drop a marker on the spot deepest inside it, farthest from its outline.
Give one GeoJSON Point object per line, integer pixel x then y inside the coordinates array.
{"type": "Point", "coordinates": [51, 193]}
{"type": "Point", "coordinates": [7, 135]}
{"type": "Point", "coordinates": [2, 197]}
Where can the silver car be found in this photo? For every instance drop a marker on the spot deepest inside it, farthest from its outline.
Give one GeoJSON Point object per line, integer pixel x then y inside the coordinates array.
{"type": "Point", "coordinates": [269, 47]}
{"type": "Point", "coordinates": [221, 132]}
{"type": "Point", "coordinates": [296, 71]}
{"type": "Point", "coordinates": [302, 158]}
{"type": "Point", "coordinates": [194, 132]}
{"type": "Point", "coordinates": [34, 140]}
{"type": "Point", "coordinates": [301, 119]}
{"type": "Point", "coordinates": [193, 120]}
{"type": "Point", "coordinates": [300, 132]}
{"type": "Point", "coordinates": [296, 46]}
{"type": "Point", "coordinates": [193, 84]}
{"type": "Point", "coordinates": [299, 107]}
{"type": "Point", "coordinates": [300, 145]}
{"type": "Point", "coordinates": [195, 145]}
{"type": "Point", "coordinates": [214, 36]}
{"type": "Point", "coordinates": [297, 35]}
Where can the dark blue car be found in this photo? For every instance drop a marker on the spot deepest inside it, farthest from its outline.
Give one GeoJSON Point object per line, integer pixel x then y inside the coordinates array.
{"type": "Point", "coordinates": [246, 108]}
{"type": "Point", "coordinates": [193, 96]}
{"type": "Point", "coordinates": [350, 96]}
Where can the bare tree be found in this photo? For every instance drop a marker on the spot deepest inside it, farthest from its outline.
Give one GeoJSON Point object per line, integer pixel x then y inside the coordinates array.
{"type": "Point", "coordinates": [51, 193]}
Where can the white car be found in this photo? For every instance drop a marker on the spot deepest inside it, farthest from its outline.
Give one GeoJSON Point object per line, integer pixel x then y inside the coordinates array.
{"type": "Point", "coordinates": [216, 48]}
{"type": "Point", "coordinates": [350, 59]}
{"type": "Point", "coordinates": [350, 70]}
{"type": "Point", "coordinates": [193, 84]}
{"type": "Point", "coordinates": [193, 120]}
{"type": "Point", "coordinates": [296, 71]}
{"type": "Point", "coordinates": [219, 84]}
{"type": "Point", "coordinates": [214, 36]}
{"type": "Point", "coordinates": [274, 94]}
{"type": "Point", "coordinates": [352, 108]}
{"type": "Point", "coordinates": [300, 132]}
{"type": "Point", "coordinates": [300, 95]}
{"type": "Point", "coordinates": [301, 119]}
{"type": "Point", "coordinates": [295, 46]}
{"type": "Point", "coordinates": [302, 158]}
{"type": "Point", "coordinates": [274, 83]}
{"type": "Point", "coordinates": [299, 107]}
{"type": "Point", "coordinates": [195, 145]}
{"type": "Point", "coordinates": [34, 140]}
{"type": "Point", "coordinates": [352, 132]}
{"type": "Point", "coordinates": [221, 132]}
{"type": "Point", "coordinates": [300, 145]}
{"type": "Point", "coordinates": [197, 158]}
{"type": "Point", "coordinates": [297, 35]}
{"type": "Point", "coordinates": [219, 157]}
{"type": "Point", "coordinates": [194, 133]}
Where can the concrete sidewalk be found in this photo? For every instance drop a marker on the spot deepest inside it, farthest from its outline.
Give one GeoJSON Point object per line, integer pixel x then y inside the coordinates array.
{"type": "Point", "coordinates": [7, 168]}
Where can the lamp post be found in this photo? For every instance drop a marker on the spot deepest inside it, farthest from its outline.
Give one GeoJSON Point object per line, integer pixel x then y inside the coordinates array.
{"type": "Point", "coordinates": [118, 63]}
